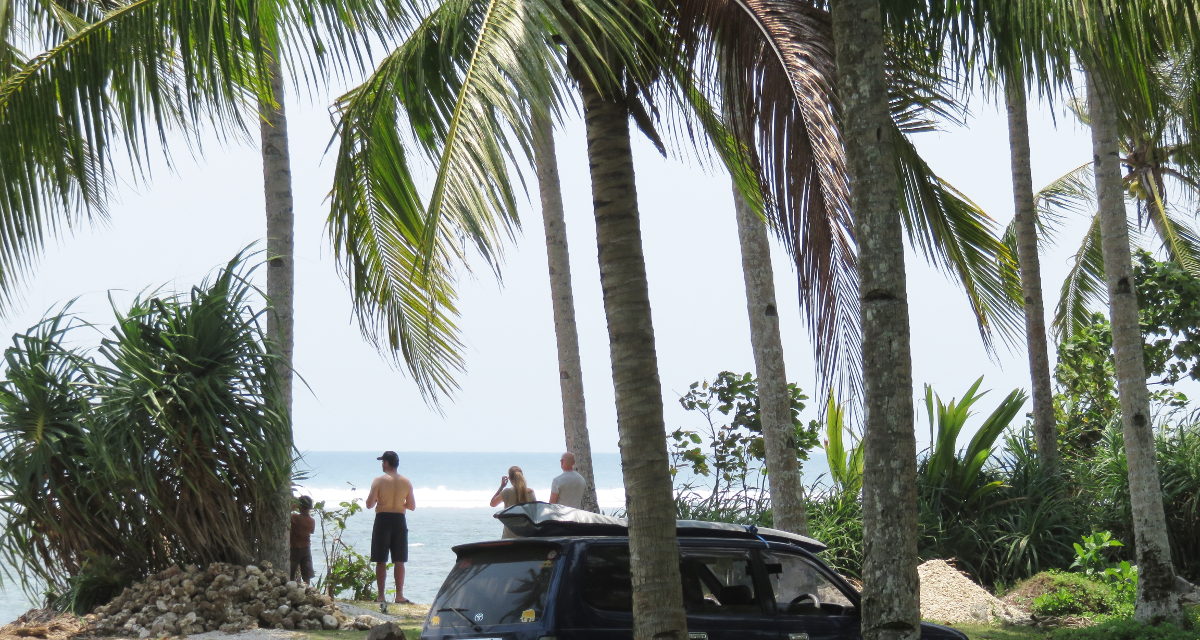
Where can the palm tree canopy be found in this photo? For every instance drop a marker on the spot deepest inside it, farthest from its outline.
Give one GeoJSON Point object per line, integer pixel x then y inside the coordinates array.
{"type": "Point", "coordinates": [460, 86]}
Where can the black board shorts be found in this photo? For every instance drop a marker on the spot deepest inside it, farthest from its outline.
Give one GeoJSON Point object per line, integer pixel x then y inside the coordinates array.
{"type": "Point", "coordinates": [390, 534]}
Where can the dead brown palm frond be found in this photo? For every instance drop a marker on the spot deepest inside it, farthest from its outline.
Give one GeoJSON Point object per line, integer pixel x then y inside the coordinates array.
{"type": "Point", "coordinates": [771, 62]}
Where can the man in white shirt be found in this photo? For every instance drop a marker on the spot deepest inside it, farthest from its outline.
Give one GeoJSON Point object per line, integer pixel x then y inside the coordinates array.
{"type": "Point", "coordinates": [569, 487]}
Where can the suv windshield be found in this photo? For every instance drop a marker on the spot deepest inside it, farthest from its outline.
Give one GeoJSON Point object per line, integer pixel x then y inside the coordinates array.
{"type": "Point", "coordinates": [498, 585]}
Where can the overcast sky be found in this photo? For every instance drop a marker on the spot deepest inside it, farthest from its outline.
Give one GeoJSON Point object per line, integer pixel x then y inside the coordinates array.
{"type": "Point", "coordinates": [181, 225]}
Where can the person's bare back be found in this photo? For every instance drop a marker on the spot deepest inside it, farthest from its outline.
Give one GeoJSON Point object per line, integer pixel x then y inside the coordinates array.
{"type": "Point", "coordinates": [391, 493]}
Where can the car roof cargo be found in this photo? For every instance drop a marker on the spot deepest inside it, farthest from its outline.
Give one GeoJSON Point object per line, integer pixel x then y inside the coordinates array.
{"type": "Point", "coordinates": [541, 519]}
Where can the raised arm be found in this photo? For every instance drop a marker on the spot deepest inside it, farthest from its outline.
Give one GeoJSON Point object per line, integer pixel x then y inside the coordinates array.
{"type": "Point", "coordinates": [497, 497]}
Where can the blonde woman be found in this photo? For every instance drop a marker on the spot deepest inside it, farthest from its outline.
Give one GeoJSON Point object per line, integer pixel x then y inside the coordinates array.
{"type": "Point", "coordinates": [518, 493]}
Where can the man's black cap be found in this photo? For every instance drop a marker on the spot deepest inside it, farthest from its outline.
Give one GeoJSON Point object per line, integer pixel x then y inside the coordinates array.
{"type": "Point", "coordinates": [391, 458]}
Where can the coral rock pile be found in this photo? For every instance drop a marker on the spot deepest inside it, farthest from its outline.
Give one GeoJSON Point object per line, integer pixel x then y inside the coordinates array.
{"type": "Point", "coordinates": [948, 595]}
{"type": "Point", "coordinates": [220, 597]}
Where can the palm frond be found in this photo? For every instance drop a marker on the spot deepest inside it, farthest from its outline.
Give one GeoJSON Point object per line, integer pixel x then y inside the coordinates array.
{"type": "Point", "coordinates": [1178, 237]}
{"type": "Point", "coordinates": [770, 64]}
{"type": "Point", "coordinates": [1084, 287]}
{"type": "Point", "coordinates": [140, 69]}
{"type": "Point", "coordinates": [461, 82]}
{"type": "Point", "coordinates": [335, 39]}
{"type": "Point", "coordinates": [956, 235]}
{"type": "Point", "coordinates": [1073, 193]}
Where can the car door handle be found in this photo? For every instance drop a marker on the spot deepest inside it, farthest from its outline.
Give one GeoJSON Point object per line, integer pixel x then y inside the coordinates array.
{"type": "Point", "coordinates": [697, 635]}
{"type": "Point", "coordinates": [797, 636]}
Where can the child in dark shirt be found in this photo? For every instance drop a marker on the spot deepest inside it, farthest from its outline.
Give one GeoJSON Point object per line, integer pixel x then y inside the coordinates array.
{"type": "Point", "coordinates": [303, 526]}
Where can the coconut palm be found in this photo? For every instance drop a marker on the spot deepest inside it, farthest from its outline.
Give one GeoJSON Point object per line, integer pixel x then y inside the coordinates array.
{"type": "Point", "coordinates": [458, 92]}
{"type": "Point", "coordinates": [461, 81]}
{"type": "Point", "coordinates": [570, 378]}
{"type": "Point", "coordinates": [771, 64]}
{"type": "Point", "coordinates": [1132, 30]}
{"type": "Point", "coordinates": [1118, 47]}
{"type": "Point", "coordinates": [1157, 161]}
{"type": "Point", "coordinates": [1157, 599]}
{"type": "Point", "coordinates": [787, 490]}
{"type": "Point", "coordinates": [890, 587]}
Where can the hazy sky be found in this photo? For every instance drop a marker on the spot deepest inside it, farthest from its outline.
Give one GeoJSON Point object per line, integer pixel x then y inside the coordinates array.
{"type": "Point", "coordinates": [183, 224]}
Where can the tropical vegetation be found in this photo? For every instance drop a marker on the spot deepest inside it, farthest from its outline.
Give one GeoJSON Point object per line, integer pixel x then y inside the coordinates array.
{"type": "Point", "coordinates": [161, 445]}
{"type": "Point", "coordinates": [809, 106]}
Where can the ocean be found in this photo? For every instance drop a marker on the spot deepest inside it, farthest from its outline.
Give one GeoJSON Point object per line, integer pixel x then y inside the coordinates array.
{"type": "Point", "coordinates": [452, 491]}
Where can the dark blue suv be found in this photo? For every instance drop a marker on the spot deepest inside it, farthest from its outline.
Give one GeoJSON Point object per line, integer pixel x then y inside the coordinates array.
{"type": "Point", "coordinates": [738, 584]}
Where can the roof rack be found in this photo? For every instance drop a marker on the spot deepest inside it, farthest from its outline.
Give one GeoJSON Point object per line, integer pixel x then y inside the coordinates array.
{"type": "Point", "coordinates": [542, 519]}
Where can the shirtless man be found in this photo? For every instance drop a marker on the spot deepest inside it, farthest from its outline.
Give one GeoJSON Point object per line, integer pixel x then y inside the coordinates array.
{"type": "Point", "coordinates": [391, 495]}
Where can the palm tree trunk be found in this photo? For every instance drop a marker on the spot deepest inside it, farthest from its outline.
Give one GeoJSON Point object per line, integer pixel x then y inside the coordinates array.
{"type": "Point", "coordinates": [654, 551]}
{"type": "Point", "coordinates": [277, 188]}
{"type": "Point", "coordinates": [1156, 598]}
{"type": "Point", "coordinates": [890, 585]}
{"type": "Point", "coordinates": [787, 491]}
{"type": "Point", "coordinates": [570, 372]}
{"type": "Point", "coordinates": [1045, 430]}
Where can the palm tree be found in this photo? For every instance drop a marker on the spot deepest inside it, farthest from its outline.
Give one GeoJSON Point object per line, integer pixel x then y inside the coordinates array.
{"type": "Point", "coordinates": [1025, 231]}
{"type": "Point", "coordinates": [1157, 599]}
{"type": "Point", "coordinates": [1157, 159]}
{"type": "Point", "coordinates": [459, 81]}
{"type": "Point", "coordinates": [1119, 46]}
{"type": "Point", "coordinates": [890, 586]}
{"type": "Point", "coordinates": [570, 378]}
{"type": "Point", "coordinates": [787, 490]}
{"type": "Point", "coordinates": [281, 277]}
{"type": "Point", "coordinates": [459, 100]}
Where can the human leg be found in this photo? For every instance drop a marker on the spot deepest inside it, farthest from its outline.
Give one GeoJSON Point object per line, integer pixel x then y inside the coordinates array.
{"type": "Point", "coordinates": [380, 546]}
{"type": "Point", "coordinates": [398, 570]}
{"type": "Point", "coordinates": [399, 550]}
{"type": "Point", "coordinates": [306, 566]}
{"type": "Point", "coordinates": [293, 566]}
{"type": "Point", "coordinates": [380, 580]}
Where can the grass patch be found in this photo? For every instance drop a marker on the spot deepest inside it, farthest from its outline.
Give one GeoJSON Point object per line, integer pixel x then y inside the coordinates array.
{"type": "Point", "coordinates": [413, 631]}
{"type": "Point", "coordinates": [988, 632]}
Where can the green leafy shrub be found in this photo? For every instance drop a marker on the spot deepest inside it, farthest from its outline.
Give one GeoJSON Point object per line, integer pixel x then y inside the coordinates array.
{"type": "Point", "coordinates": [346, 570]}
{"type": "Point", "coordinates": [351, 572]}
{"type": "Point", "coordinates": [1090, 552]}
{"type": "Point", "coordinates": [720, 471]}
{"type": "Point", "coordinates": [835, 518]}
{"type": "Point", "coordinates": [1074, 594]}
{"type": "Point", "coordinates": [992, 508]}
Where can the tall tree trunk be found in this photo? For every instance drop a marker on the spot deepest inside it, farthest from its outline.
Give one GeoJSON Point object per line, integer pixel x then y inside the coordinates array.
{"type": "Point", "coordinates": [654, 551]}
{"type": "Point", "coordinates": [570, 372]}
{"type": "Point", "coordinates": [779, 436]}
{"type": "Point", "coordinates": [1025, 223]}
{"type": "Point", "coordinates": [1156, 598]}
{"type": "Point", "coordinates": [890, 585]}
{"type": "Point", "coordinates": [277, 188]}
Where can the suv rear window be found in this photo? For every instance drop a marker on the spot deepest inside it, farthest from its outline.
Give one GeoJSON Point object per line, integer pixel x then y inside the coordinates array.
{"type": "Point", "coordinates": [499, 585]}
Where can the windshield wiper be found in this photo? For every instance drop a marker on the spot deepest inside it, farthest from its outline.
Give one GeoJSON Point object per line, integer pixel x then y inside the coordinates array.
{"type": "Point", "coordinates": [462, 615]}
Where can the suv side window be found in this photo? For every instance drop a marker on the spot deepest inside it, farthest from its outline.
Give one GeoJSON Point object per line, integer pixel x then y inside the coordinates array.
{"type": "Point", "coordinates": [606, 582]}
{"type": "Point", "coordinates": [714, 582]}
{"type": "Point", "coordinates": [718, 582]}
{"type": "Point", "coordinates": [801, 589]}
